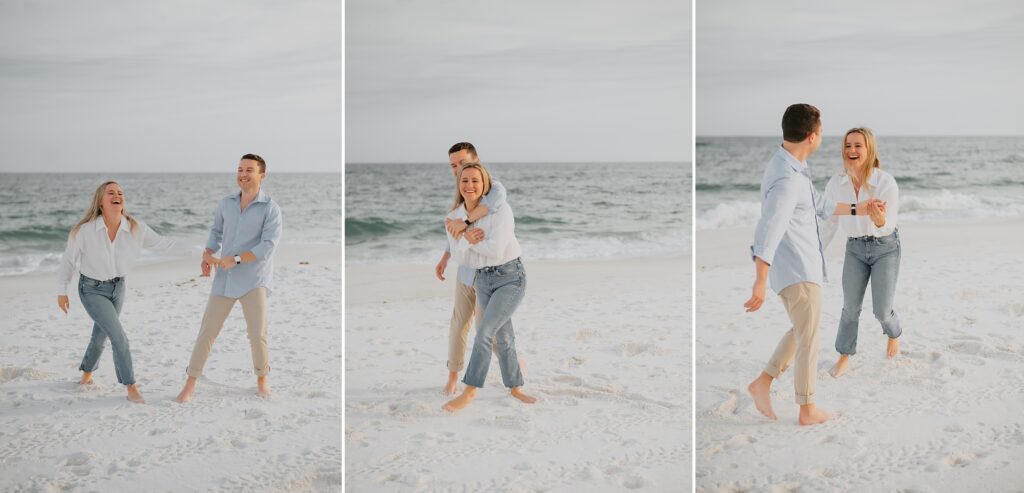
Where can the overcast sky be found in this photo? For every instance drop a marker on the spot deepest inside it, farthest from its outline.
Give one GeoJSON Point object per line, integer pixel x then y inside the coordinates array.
{"type": "Point", "coordinates": [901, 67]}
{"type": "Point", "coordinates": [525, 81]}
{"type": "Point", "coordinates": [189, 85]}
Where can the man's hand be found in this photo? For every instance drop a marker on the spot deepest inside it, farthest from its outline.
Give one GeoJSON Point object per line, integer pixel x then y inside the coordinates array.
{"type": "Point", "coordinates": [877, 212]}
{"type": "Point", "coordinates": [225, 263]}
{"type": "Point", "coordinates": [439, 268]}
{"type": "Point", "coordinates": [63, 303]}
{"type": "Point", "coordinates": [455, 227]}
{"type": "Point", "coordinates": [474, 235]}
{"type": "Point", "coordinates": [756, 297]}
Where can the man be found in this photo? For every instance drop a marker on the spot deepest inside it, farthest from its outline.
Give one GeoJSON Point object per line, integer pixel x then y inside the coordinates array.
{"type": "Point", "coordinates": [787, 252]}
{"type": "Point", "coordinates": [246, 229]}
{"type": "Point", "coordinates": [465, 295]}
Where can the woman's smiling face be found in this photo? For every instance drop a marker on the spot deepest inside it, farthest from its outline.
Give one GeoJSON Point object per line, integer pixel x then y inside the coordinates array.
{"type": "Point", "coordinates": [471, 184]}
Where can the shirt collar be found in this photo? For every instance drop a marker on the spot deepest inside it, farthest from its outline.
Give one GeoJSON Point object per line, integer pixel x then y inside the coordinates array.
{"type": "Point", "coordinates": [261, 196]}
{"type": "Point", "coordinates": [796, 164]}
{"type": "Point", "coordinates": [100, 224]}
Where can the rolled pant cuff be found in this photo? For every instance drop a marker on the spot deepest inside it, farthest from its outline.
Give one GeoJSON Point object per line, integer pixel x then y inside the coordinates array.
{"type": "Point", "coordinates": [455, 368]}
{"type": "Point", "coordinates": [193, 372]}
{"type": "Point", "coordinates": [773, 371]}
{"type": "Point", "coordinates": [261, 373]}
{"type": "Point", "coordinates": [803, 400]}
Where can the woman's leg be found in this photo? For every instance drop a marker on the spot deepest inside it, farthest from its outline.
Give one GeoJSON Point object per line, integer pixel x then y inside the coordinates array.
{"type": "Point", "coordinates": [855, 282]}
{"type": "Point", "coordinates": [498, 296]}
{"type": "Point", "coordinates": [104, 307]}
{"type": "Point", "coordinates": [884, 273]}
{"type": "Point", "coordinates": [93, 351]}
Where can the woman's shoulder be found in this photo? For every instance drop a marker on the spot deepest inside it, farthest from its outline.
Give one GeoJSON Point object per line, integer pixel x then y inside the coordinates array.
{"type": "Point", "coordinates": [884, 177]}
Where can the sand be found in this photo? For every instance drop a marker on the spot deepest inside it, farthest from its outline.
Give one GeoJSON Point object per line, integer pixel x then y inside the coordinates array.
{"type": "Point", "coordinates": [605, 346]}
{"type": "Point", "coordinates": [947, 414]}
{"type": "Point", "coordinates": [60, 436]}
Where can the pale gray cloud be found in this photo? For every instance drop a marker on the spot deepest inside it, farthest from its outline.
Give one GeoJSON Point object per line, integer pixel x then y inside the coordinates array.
{"type": "Point", "coordinates": [169, 86]}
{"type": "Point", "coordinates": [525, 81]}
{"type": "Point", "coordinates": [903, 68]}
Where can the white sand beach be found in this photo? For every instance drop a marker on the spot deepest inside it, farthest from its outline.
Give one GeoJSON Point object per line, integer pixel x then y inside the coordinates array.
{"type": "Point", "coordinates": [61, 436]}
{"type": "Point", "coordinates": [947, 414]}
{"type": "Point", "coordinates": [605, 347]}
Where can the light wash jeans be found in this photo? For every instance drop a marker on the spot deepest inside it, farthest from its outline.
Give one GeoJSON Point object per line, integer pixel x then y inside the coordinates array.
{"type": "Point", "coordinates": [499, 290]}
{"type": "Point", "coordinates": [877, 259]}
{"type": "Point", "coordinates": [102, 301]}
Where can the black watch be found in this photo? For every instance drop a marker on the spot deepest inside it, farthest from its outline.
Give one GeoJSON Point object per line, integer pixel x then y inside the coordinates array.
{"type": "Point", "coordinates": [468, 223]}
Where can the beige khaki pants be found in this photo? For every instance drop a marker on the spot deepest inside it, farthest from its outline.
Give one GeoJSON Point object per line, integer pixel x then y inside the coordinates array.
{"type": "Point", "coordinates": [462, 319]}
{"type": "Point", "coordinates": [803, 304]}
{"type": "Point", "coordinates": [254, 308]}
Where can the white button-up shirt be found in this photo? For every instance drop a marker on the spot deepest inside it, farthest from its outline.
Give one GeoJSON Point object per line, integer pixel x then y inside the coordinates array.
{"type": "Point", "coordinates": [498, 246]}
{"type": "Point", "coordinates": [90, 251]}
{"type": "Point", "coordinates": [882, 186]}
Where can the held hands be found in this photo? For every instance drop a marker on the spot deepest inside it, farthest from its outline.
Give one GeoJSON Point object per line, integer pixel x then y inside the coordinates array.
{"type": "Point", "coordinates": [63, 303]}
{"type": "Point", "coordinates": [454, 227]}
{"type": "Point", "coordinates": [875, 208]}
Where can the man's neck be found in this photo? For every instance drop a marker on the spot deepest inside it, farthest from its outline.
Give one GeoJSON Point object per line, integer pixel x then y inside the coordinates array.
{"type": "Point", "coordinates": [800, 150]}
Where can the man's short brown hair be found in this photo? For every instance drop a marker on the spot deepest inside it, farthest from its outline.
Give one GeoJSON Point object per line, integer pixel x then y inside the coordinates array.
{"type": "Point", "coordinates": [463, 146]}
{"type": "Point", "coordinates": [253, 157]}
{"type": "Point", "coordinates": [799, 121]}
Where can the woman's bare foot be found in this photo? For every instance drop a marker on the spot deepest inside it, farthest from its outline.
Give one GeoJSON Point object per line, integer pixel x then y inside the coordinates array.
{"type": "Point", "coordinates": [812, 415]}
{"type": "Point", "coordinates": [449, 388]}
{"type": "Point", "coordinates": [134, 395]}
{"type": "Point", "coordinates": [840, 367]}
{"type": "Point", "coordinates": [187, 391]}
{"type": "Point", "coordinates": [262, 389]}
{"type": "Point", "coordinates": [760, 389]}
{"type": "Point", "coordinates": [461, 401]}
{"type": "Point", "coordinates": [893, 348]}
{"type": "Point", "coordinates": [86, 378]}
{"type": "Point", "coordinates": [518, 393]}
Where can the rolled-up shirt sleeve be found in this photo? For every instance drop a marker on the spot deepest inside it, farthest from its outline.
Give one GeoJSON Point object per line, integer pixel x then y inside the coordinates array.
{"type": "Point", "coordinates": [151, 240]}
{"type": "Point", "coordinates": [272, 228]}
{"type": "Point", "coordinates": [776, 211]}
{"type": "Point", "coordinates": [824, 204]}
{"type": "Point", "coordinates": [889, 193]}
{"type": "Point", "coordinates": [495, 198]}
{"type": "Point", "coordinates": [828, 226]}
{"type": "Point", "coordinates": [68, 264]}
{"type": "Point", "coordinates": [213, 242]}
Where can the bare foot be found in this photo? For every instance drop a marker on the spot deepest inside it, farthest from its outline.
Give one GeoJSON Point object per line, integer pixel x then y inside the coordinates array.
{"type": "Point", "coordinates": [811, 415]}
{"type": "Point", "coordinates": [262, 389]}
{"type": "Point", "coordinates": [187, 391]}
{"type": "Point", "coordinates": [840, 367]}
{"type": "Point", "coordinates": [518, 393]}
{"type": "Point", "coordinates": [760, 390]}
{"type": "Point", "coordinates": [893, 348]}
{"type": "Point", "coordinates": [449, 388]}
{"type": "Point", "coordinates": [461, 401]}
{"type": "Point", "coordinates": [86, 378]}
{"type": "Point", "coordinates": [134, 395]}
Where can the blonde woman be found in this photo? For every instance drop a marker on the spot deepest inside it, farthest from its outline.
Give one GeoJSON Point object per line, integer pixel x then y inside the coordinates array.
{"type": "Point", "coordinates": [872, 243]}
{"type": "Point", "coordinates": [491, 248]}
{"type": "Point", "coordinates": [102, 247]}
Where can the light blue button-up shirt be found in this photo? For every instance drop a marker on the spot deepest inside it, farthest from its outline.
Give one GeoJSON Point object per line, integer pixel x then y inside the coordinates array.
{"type": "Point", "coordinates": [787, 236]}
{"type": "Point", "coordinates": [494, 199]}
{"type": "Point", "coordinates": [234, 232]}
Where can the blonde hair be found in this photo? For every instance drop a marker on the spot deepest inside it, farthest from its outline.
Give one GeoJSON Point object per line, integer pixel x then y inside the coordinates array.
{"type": "Point", "coordinates": [95, 211]}
{"type": "Point", "coordinates": [871, 156]}
{"type": "Point", "coordinates": [484, 176]}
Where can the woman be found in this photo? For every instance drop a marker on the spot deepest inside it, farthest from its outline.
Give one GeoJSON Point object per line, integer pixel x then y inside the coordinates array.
{"type": "Point", "coordinates": [872, 245]}
{"type": "Point", "coordinates": [102, 247]}
{"type": "Point", "coordinates": [490, 246]}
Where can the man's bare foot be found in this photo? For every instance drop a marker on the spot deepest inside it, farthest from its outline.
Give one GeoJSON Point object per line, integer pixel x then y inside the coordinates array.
{"type": "Point", "coordinates": [453, 379]}
{"type": "Point", "coordinates": [518, 393]}
{"type": "Point", "coordinates": [86, 378]}
{"type": "Point", "coordinates": [893, 348]}
{"type": "Point", "coordinates": [760, 390]}
{"type": "Point", "coordinates": [187, 391]}
{"type": "Point", "coordinates": [262, 389]}
{"type": "Point", "coordinates": [461, 401]}
{"type": "Point", "coordinates": [134, 395]}
{"type": "Point", "coordinates": [840, 367]}
{"type": "Point", "coordinates": [812, 415]}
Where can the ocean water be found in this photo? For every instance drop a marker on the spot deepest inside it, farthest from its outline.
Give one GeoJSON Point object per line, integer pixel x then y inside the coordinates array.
{"type": "Point", "coordinates": [39, 209]}
{"type": "Point", "coordinates": [940, 178]}
{"type": "Point", "coordinates": [565, 211]}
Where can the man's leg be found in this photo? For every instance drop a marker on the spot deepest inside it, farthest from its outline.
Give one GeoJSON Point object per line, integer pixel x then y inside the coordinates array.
{"type": "Point", "coordinates": [804, 307]}
{"type": "Point", "coordinates": [254, 308]}
{"type": "Point", "coordinates": [760, 388]}
{"type": "Point", "coordinates": [458, 332]}
{"type": "Point", "coordinates": [217, 310]}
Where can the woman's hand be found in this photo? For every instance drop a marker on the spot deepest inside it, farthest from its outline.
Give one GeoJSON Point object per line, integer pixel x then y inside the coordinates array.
{"type": "Point", "coordinates": [63, 303]}
{"type": "Point", "coordinates": [455, 227]}
{"type": "Point", "coordinates": [877, 212]}
{"type": "Point", "coordinates": [474, 235]}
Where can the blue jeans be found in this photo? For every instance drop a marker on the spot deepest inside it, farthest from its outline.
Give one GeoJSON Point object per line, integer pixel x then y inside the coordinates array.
{"type": "Point", "coordinates": [102, 301]}
{"type": "Point", "coordinates": [877, 259]}
{"type": "Point", "coordinates": [499, 290]}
